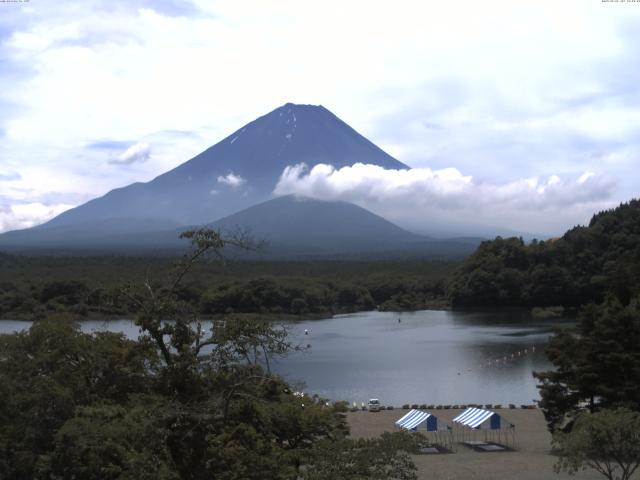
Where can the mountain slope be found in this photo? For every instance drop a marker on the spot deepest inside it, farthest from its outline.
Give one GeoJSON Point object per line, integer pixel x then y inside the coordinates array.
{"type": "Point", "coordinates": [307, 226]}
{"type": "Point", "coordinates": [291, 227]}
{"type": "Point", "coordinates": [295, 224]}
{"type": "Point", "coordinates": [201, 189]}
{"type": "Point", "coordinates": [301, 227]}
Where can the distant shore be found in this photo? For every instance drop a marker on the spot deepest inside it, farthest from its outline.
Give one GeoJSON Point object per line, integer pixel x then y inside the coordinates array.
{"type": "Point", "coordinates": [531, 460]}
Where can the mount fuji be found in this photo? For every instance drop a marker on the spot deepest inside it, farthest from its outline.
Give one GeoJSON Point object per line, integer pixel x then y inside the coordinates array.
{"type": "Point", "coordinates": [238, 174]}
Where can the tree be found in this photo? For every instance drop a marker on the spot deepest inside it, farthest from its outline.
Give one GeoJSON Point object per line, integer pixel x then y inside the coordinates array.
{"type": "Point", "coordinates": [229, 416]}
{"type": "Point", "coordinates": [49, 372]}
{"type": "Point", "coordinates": [110, 441]}
{"type": "Point", "coordinates": [181, 402]}
{"type": "Point", "coordinates": [582, 266]}
{"type": "Point", "coordinates": [607, 441]}
{"type": "Point", "coordinates": [173, 324]}
{"type": "Point", "coordinates": [597, 364]}
{"type": "Point", "coordinates": [381, 458]}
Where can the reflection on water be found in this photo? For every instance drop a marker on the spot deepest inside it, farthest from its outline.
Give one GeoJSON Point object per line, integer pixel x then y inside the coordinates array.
{"type": "Point", "coordinates": [433, 357]}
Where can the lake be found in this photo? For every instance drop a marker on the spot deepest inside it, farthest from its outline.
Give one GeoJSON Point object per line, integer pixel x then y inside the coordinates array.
{"type": "Point", "coordinates": [432, 357]}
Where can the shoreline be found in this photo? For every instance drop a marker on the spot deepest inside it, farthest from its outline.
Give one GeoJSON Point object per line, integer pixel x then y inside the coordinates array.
{"type": "Point", "coordinates": [532, 458]}
{"type": "Point", "coordinates": [435, 305]}
{"type": "Point", "coordinates": [457, 406]}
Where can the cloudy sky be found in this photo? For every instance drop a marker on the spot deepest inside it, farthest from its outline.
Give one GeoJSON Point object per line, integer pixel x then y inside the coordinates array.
{"type": "Point", "coordinates": [522, 115]}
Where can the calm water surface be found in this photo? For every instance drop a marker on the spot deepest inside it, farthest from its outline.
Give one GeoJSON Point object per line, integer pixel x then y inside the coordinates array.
{"type": "Point", "coordinates": [433, 357]}
{"type": "Point", "coordinates": [427, 357]}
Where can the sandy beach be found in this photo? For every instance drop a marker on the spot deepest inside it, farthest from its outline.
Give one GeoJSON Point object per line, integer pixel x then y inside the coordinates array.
{"type": "Point", "coordinates": [531, 459]}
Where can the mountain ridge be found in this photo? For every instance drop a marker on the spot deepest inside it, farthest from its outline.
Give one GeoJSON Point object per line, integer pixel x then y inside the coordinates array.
{"type": "Point", "coordinates": [233, 182]}
{"type": "Point", "coordinates": [291, 227]}
{"type": "Point", "coordinates": [197, 191]}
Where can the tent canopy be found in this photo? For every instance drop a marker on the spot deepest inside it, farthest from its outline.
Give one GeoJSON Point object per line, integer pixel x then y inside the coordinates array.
{"type": "Point", "coordinates": [481, 419]}
{"type": "Point", "coordinates": [418, 420]}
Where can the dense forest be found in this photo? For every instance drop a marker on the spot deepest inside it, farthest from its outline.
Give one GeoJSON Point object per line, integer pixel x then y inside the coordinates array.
{"type": "Point", "coordinates": [597, 363]}
{"type": "Point", "coordinates": [579, 268]}
{"type": "Point", "coordinates": [576, 269]}
{"type": "Point", "coordinates": [33, 287]}
{"type": "Point", "coordinates": [99, 406]}
{"type": "Point", "coordinates": [76, 405]}
{"type": "Point", "coordinates": [596, 271]}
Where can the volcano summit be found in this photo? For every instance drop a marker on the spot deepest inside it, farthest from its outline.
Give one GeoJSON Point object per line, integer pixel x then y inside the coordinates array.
{"type": "Point", "coordinates": [235, 175]}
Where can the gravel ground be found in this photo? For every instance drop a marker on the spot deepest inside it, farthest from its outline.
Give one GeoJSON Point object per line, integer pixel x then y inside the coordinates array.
{"type": "Point", "coordinates": [530, 460]}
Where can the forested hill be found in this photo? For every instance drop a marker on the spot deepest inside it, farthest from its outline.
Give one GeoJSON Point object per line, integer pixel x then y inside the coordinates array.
{"type": "Point", "coordinates": [580, 267]}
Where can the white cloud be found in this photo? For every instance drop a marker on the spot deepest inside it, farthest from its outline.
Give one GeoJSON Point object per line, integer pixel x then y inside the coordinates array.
{"type": "Point", "coordinates": [234, 181]}
{"type": "Point", "coordinates": [585, 176]}
{"type": "Point", "coordinates": [499, 89]}
{"type": "Point", "coordinates": [418, 196]}
{"type": "Point", "coordinates": [138, 152]}
{"type": "Point", "coordinates": [25, 215]}
{"type": "Point", "coordinates": [365, 182]}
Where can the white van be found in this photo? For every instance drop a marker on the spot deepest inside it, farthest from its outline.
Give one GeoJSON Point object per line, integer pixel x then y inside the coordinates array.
{"type": "Point", "coordinates": [374, 405]}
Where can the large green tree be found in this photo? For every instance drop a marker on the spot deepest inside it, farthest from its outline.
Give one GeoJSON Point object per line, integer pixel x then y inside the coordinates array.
{"type": "Point", "coordinates": [597, 364]}
{"type": "Point", "coordinates": [607, 441]}
{"type": "Point", "coordinates": [381, 458]}
{"type": "Point", "coordinates": [187, 400]}
{"type": "Point", "coordinates": [47, 373]}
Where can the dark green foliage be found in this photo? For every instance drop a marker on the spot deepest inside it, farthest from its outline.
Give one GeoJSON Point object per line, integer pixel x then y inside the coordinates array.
{"type": "Point", "coordinates": [32, 287]}
{"type": "Point", "coordinates": [383, 458]}
{"type": "Point", "coordinates": [179, 403]}
{"type": "Point", "coordinates": [579, 268]}
{"type": "Point", "coordinates": [597, 364]}
{"type": "Point", "coordinates": [494, 275]}
{"type": "Point", "coordinates": [607, 441]}
{"type": "Point", "coordinates": [48, 372]}
{"type": "Point", "coordinates": [67, 292]}
{"type": "Point", "coordinates": [111, 442]}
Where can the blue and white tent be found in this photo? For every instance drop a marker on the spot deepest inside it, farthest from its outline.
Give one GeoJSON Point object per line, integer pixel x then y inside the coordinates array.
{"type": "Point", "coordinates": [478, 419]}
{"type": "Point", "coordinates": [423, 422]}
{"type": "Point", "coordinates": [418, 420]}
{"type": "Point", "coordinates": [481, 419]}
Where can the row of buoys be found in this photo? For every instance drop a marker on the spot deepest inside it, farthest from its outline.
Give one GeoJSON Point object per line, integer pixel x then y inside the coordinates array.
{"type": "Point", "coordinates": [497, 362]}
{"type": "Point", "coordinates": [508, 358]}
